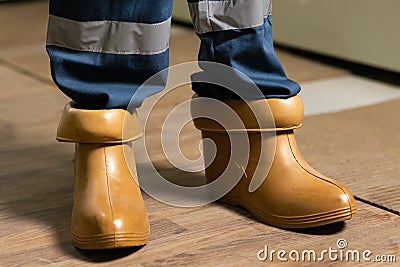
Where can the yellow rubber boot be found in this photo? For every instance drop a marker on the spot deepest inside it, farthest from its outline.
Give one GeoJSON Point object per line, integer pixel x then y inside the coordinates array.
{"type": "Point", "coordinates": [292, 195]}
{"type": "Point", "coordinates": [108, 210]}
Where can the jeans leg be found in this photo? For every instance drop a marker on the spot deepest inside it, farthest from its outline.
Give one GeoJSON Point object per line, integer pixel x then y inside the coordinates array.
{"type": "Point", "coordinates": [238, 33]}
{"type": "Point", "coordinates": [101, 51]}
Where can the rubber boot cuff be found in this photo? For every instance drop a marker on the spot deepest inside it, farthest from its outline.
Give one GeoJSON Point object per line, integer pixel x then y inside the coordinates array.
{"type": "Point", "coordinates": [98, 126]}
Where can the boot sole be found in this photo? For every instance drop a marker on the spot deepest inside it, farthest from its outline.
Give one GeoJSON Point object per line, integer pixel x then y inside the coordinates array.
{"type": "Point", "coordinates": [111, 241]}
{"type": "Point", "coordinates": [292, 222]}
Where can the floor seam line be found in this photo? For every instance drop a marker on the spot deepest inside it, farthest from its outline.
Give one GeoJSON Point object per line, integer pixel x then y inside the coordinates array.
{"type": "Point", "coordinates": [395, 212]}
{"type": "Point", "coordinates": [25, 72]}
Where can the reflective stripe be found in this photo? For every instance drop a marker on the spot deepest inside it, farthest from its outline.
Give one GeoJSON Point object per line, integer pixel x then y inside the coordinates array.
{"type": "Point", "coordinates": [113, 37]}
{"type": "Point", "coordinates": [228, 15]}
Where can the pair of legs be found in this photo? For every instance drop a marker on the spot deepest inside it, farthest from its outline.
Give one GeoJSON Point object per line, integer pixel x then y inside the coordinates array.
{"type": "Point", "coordinates": [102, 51]}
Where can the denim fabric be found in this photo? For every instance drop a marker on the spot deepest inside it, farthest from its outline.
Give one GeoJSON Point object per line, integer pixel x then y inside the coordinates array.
{"type": "Point", "coordinates": [251, 52]}
{"type": "Point", "coordinates": [99, 80]}
{"type": "Point", "coordinates": [145, 11]}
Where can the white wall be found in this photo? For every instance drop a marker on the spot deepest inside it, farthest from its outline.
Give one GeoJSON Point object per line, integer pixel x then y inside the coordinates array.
{"type": "Point", "coordinates": [362, 31]}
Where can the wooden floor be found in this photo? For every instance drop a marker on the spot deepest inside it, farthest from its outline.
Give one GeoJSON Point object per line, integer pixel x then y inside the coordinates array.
{"type": "Point", "coordinates": [36, 178]}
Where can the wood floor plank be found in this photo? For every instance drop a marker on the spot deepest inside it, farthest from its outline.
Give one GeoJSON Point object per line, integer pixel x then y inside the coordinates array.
{"type": "Point", "coordinates": [215, 234]}
{"type": "Point", "coordinates": [360, 148]}
{"type": "Point", "coordinates": [36, 201]}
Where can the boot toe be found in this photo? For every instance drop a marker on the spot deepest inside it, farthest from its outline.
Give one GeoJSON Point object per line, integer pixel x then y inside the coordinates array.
{"type": "Point", "coordinates": [327, 205]}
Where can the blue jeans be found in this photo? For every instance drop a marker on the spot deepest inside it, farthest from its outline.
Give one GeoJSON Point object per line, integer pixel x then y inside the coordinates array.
{"type": "Point", "coordinates": [101, 51]}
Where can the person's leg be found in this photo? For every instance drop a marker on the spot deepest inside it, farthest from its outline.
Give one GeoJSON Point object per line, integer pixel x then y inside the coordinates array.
{"type": "Point", "coordinates": [290, 194]}
{"type": "Point", "coordinates": [239, 34]}
{"type": "Point", "coordinates": [101, 51]}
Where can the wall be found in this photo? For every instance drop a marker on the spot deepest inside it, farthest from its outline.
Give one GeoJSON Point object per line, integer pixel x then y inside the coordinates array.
{"type": "Point", "coordinates": [362, 31]}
